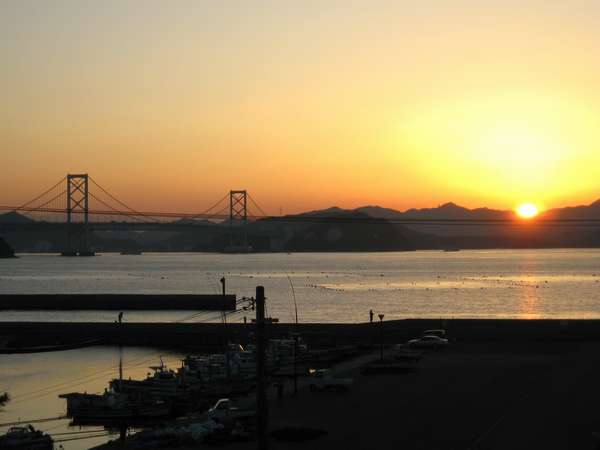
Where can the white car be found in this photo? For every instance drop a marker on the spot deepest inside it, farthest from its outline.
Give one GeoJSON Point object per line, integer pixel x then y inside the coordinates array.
{"type": "Point", "coordinates": [226, 410]}
{"type": "Point", "coordinates": [439, 333]}
{"type": "Point", "coordinates": [430, 342]}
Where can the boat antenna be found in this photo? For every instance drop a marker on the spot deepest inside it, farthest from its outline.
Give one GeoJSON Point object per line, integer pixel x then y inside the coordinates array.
{"type": "Point", "coordinates": [120, 364]}
{"type": "Point", "coordinates": [293, 296]}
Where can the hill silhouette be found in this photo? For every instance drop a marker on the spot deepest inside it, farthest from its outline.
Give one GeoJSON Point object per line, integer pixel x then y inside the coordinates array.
{"type": "Point", "coordinates": [14, 217]}
{"type": "Point", "coordinates": [357, 234]}
{"type": "Point", "coordinates": [367, 228]}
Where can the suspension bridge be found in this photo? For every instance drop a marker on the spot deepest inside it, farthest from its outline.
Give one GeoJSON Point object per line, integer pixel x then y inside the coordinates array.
{"type": "Point", "coordinates": [79, 205]}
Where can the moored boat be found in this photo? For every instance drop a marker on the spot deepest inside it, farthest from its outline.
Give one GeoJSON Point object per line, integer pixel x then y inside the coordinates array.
{"type": "Point", "coordinates": [112, 406]}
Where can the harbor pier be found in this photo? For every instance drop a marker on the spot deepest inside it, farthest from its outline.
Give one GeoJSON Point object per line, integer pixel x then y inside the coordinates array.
{"type": "Point", "coordinates": [189, 335]}
{"type": "Point", "coordinates": [117, 302]}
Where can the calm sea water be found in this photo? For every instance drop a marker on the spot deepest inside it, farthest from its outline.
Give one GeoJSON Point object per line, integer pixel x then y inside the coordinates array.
{"type": "Point", "coordinates": [327, 288]}
{"type": "Point", "coordinates": [34, 382]}
{"type": "Point", "coordinates": [330, 287]}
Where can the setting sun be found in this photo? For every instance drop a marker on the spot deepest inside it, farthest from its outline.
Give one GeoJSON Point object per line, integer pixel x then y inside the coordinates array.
{"type": "Point", "coordinates": [527, 210]}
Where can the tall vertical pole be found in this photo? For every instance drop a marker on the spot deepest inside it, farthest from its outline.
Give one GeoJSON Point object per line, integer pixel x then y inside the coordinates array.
{"type": "Point", "coordinates": [261, 375]}
{"type": "Point", "coordinates": [222, 280]}
{"type": "Point", "coordinates": [120, 363]}
{"type": "Point", "coordinates": [381, 316]}
{"type": "Point", "coordinates": [295, 364]}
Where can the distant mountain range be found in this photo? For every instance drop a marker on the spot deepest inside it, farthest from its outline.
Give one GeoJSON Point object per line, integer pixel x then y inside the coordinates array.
{"type": "Point", "coordinates": [448, 210]}
{"type": "Point", "coordinates": [456, 212]}
{"type": "Point", "coordinates": [299, 232]}
{"type": "Point", "coordinates": [14, 217]}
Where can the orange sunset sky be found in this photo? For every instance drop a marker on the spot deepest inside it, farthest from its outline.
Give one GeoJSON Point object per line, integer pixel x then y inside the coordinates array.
{"type": "Point", "coordinates": [306, 104]}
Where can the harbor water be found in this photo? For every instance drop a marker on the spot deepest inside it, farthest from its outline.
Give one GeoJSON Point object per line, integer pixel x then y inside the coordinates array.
{"type": "Point", "coordinates": [328, 287]}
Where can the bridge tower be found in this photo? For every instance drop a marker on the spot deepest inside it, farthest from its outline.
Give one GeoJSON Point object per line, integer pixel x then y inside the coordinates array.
{"type": "Point", "coordinates": [78, 240]}
{"type": "Point", "coordinates": [238, 206]}
{"type": "Point", "coordinates": [238, 213]}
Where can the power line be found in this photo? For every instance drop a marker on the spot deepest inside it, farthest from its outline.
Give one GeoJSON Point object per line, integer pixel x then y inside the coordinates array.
{"type": "Point", "coordinates": [81, 380]}
{"type": "Point", "coordinates": [221, 214]}
{"type": "Point", "coordinates": [591, 222]}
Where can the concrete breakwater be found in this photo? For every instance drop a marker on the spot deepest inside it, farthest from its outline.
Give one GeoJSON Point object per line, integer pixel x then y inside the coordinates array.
{"type": "Point", "coordinates": [15, 334]}
{"type": "Point", "coordinates": [117, 302]}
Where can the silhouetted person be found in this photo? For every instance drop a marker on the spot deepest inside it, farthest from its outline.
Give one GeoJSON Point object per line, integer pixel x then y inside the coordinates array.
{"type": "Point", "coordinates": [244, 320]}
{"type": "Point", "coordinates": [371, 316]}
{"type": "Point", "coordinates": [121, 317]}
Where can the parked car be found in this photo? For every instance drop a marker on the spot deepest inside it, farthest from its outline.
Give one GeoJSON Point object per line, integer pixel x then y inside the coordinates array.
{"type": "Point", "coordinates": [439, 333]}
{"type": "Point", "coordinates": [324, 380]}
{"type": "Point", "coordinates": [226, 410]}
{"type": "Point", "coordinates": [428, 342]}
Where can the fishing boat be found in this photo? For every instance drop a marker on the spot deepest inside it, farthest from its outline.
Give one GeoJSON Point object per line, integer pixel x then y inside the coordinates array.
{"type": "Point", "coordinates": [163, 382]}
{"type": "Point", "coordinates": [26, 438]}
{"type": "Point", "coordinates": [113, 406]}
{"type": "Point", "coordinates": [182, 390]}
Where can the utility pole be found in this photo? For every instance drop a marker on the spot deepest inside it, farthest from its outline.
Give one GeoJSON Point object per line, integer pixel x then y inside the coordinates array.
{"type": "Point", "coordinates": [261, 375]}
{"type": "Point", "coordinates": [381, 316]}
{"type": "Point", "coordinates": [295, 363]}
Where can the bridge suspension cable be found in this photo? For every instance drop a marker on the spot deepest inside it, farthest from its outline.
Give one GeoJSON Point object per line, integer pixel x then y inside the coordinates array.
{"type": "Point", "coordinates": [52, 204]}
{"type": "Point", "coordinates": [124, 205]}
{"type": "Point", "coordinates": [213, 207]}
{"type": "Point", "coordinates": [25, 205]}
{"type": "Point", "coordinates": [118, 212]}
{"type": "Point", "coordinates": [260, 210]}
{"type": "Point", "coordinates": [53, 199]}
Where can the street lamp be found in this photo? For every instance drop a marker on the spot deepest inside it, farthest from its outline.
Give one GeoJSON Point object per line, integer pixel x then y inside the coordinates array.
{"type": "Point", "coordinates": [381, 316]}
